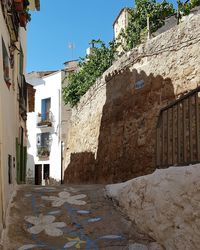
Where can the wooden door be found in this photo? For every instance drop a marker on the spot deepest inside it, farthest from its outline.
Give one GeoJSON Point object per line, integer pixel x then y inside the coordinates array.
{"type": "Point", "coordinates": [38, 174]}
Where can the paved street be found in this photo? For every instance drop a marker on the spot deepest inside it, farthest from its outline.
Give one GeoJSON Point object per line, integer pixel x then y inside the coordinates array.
{"type": "Point", "coordinates": [63, 217]}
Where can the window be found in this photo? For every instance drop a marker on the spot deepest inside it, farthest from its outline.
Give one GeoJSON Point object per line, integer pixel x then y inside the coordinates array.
{"type": "Point", "coordinates": [46, 172]}
{"type": "Point", "coordinates": [5, 63]}
{"type": "Point", "coordinates": [9, 169]}
{"type": "Point", "coordinates": [45, 108]}
{"type": "Point", "coordinates": [43, 145]}
{"type": "Point", "coordinates": [43, 140]}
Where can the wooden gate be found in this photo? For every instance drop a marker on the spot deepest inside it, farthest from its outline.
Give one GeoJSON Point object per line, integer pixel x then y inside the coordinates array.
{"type": "Point", "coordinates": [178, 132]}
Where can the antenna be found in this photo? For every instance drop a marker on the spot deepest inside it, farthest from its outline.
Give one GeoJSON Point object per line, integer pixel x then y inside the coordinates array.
{"type": "Point", "coordinates": [72, 47]}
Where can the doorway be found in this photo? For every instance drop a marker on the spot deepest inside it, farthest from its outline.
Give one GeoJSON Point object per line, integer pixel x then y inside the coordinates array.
{"type": "Point", "coordinates": [46, 171]}
{"type": "Point", "coordinates": [45, 109]}
{"type": "Point", "coordinates": [38, 174]}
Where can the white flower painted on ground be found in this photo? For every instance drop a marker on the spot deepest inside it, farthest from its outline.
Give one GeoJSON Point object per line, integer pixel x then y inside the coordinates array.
{"type": "Point", "coordinates": [94, 219]}
{"type": "Point", "coordinates": [29, 246]}
{"type": "Point", "coordinates": [83, 212]}
{"type": "Point", "coordinates": [46, 223]}
{"type": "Point", "coordinates": [63, 197]}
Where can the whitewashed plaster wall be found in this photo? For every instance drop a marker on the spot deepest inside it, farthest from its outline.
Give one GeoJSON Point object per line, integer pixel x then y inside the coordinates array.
{"type": "Point", "coordinates": [50, 88]}
{"type": "Point", "coordinates": [9, 116]}
{"type": "Point", "coordinates": [165, 205]}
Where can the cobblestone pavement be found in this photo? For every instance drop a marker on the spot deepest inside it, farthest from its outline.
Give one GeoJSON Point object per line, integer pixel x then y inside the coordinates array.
{"type": "Point", "coordinates": [67, 217]}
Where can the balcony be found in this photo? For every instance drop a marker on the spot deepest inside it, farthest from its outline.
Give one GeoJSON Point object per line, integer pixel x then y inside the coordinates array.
{"type": "Point", "coordinates": [43, 152]}
{"type": "Point", "coordinates": [45, 119]}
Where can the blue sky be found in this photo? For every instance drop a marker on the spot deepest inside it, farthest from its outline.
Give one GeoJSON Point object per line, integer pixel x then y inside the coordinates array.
{"type": "Point", "coordinates": [61, 22]}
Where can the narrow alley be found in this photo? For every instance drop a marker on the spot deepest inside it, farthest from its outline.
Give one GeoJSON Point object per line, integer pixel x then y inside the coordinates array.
{"type": "Point", "coordinates": [99, 125]}
{"type": "Point", "coordinates": [68, 217]}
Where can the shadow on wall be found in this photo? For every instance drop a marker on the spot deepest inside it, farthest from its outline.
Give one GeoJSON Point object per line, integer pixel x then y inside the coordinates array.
{"type": "Point", "coordinates": [30, 168]}
{"type": "Point", "coordinates": [30, 172]}
{"type": "Point", "coordinates": [126, 144]}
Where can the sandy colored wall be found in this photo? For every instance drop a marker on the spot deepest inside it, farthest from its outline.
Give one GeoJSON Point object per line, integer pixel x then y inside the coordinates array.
{"type": "Point", "coordinates": [112, 135]}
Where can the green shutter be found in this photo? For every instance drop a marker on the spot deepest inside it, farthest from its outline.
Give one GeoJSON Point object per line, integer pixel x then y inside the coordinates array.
{"type": "Point", "coordinates": [18, 160]}
{"type": "Point", "coordinates": [24, 164]}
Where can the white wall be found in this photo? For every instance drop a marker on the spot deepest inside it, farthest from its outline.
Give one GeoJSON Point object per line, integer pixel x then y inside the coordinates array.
{"type": "Point", "coordinates": [51, 88]}
{"type": "Point", "coordinates": [164, 205]}
{"type": "Point", "coordinates": [9, 116]}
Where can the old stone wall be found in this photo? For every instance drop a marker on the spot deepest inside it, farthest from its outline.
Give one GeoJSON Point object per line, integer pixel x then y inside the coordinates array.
{"type": "Point", "coordinates": [112, 132]}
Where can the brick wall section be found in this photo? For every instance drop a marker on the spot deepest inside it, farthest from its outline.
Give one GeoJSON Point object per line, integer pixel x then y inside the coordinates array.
{"type": "Point", "coordinates": [112, 133]}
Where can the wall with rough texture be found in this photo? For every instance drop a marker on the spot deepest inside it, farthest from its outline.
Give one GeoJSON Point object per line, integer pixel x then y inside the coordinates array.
{"type": "Point", "coordinates": [165, 205]}
{"type": "Point", "coordinates": [112, 135]}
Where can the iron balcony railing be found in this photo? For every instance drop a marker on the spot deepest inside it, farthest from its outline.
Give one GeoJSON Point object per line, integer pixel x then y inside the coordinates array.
{"type": "Point", "coordinates": [45, 119]}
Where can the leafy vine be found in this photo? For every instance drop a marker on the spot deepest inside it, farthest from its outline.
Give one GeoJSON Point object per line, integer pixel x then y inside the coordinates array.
{"type": "Point", "coordinates": [93, 66]}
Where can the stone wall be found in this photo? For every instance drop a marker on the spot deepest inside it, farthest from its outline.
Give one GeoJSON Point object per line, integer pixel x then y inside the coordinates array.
{"type": "Point", "coordinates": [164, 205]}
{"type": "Point", "coordinates": [112, 135]}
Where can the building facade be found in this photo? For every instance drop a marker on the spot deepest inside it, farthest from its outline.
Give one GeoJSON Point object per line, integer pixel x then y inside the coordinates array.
{"type": "Point", "coordinates": [121, 23]}
{"type": "Point", "coordinates": [44, 129]}
{"type": "Point", "coordinates": [13, 98]}
{"type": "Point", "coordinates": [48, 125]}
{"type": "Point", "coordinates": [66, 111]}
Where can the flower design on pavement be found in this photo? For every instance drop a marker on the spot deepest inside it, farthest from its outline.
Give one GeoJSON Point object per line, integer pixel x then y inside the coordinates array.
{"type": "Point", "coordinates": [63, 197]}
{"type": "Point", "coordinates": [83, 212]}
{"type": "Point", "coordinates": [46, 223]}
{"type": "Point", "coordinates": [94, 219]}
{"type": "Point", "coordinates": [28, 247]}
{"type": "Point", "coordinates": [76, 242]}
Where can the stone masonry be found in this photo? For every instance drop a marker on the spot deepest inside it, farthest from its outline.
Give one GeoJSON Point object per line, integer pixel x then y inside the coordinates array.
{"type": "Point", "coordinates": [112, 132]}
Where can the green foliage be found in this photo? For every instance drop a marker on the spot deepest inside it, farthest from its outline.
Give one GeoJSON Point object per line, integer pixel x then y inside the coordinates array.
{"type": "Point", "coordinates": [136, 31]}
{"type": "Point", "coordinates": [91, 67]}
{"type": "Point", "coordinates": [185, 8]}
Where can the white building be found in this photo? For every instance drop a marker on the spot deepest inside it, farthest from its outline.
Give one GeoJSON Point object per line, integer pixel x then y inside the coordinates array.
{"type": "Point", "coordinates": [44, 128]}
{"type": "Point", "coordinates": [13, 98]}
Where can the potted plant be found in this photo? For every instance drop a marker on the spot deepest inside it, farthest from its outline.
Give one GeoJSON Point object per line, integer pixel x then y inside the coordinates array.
{"type": "Point", "coordinates": [24, 18]}
{"type": "Point", "coordinates": [19, 5]}
{"type": "Point", "coordinates": [43, 152]}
